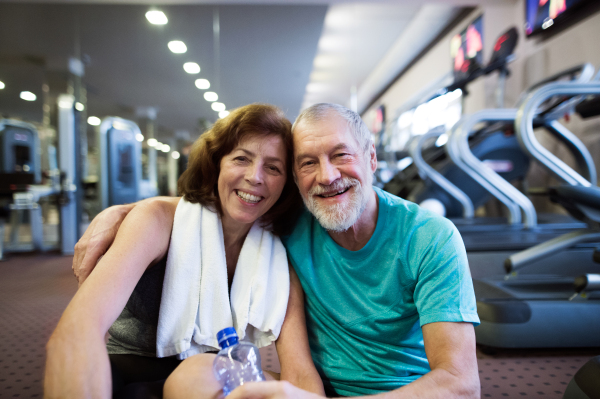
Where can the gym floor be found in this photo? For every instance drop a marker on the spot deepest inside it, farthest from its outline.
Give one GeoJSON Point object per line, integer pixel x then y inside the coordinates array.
{"type": "Point", "coordinates": [35, 289]}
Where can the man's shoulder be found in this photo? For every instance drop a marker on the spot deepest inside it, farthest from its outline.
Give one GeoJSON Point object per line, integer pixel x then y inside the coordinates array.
{"type": "Point", "coordinates": [412, 217]}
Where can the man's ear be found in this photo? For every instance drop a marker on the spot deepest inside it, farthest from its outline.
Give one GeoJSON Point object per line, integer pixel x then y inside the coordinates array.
{"type": "Point", "coordinates": [373, 158]}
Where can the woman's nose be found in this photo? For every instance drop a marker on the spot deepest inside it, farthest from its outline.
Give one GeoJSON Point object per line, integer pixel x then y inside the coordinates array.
{"type": "Point", "coordinates": [254, 174]}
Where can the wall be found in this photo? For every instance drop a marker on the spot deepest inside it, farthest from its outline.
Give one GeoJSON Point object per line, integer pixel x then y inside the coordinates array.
{"type": "Point", "coordinates": [535, 60]}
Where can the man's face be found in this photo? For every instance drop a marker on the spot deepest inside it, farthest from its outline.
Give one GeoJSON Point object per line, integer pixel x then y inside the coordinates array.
{"type": "Point", "coordinates": [333, 172]}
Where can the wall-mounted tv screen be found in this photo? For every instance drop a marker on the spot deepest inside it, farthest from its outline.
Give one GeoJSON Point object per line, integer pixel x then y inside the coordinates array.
{"type": "Point", "coordinates": [466, 49]}
{"type": "Point", "coordinates": [542, 14]}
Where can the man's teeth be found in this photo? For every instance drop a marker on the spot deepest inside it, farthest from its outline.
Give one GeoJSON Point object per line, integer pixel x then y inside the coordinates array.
{"type": "Point", "coordinates": [333, 194]}
{"type": "Point", "coordinates": [248, 197]}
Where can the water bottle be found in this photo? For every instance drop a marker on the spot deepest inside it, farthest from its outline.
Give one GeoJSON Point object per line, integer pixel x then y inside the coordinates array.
{"type": "Point", "coordinates": [237, 363]}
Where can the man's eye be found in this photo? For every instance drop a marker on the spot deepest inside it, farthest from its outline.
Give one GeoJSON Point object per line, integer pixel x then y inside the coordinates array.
{"type": "Point", "coordinates": [307, 163]}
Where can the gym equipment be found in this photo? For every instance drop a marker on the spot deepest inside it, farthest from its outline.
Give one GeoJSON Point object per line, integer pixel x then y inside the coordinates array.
{"type": "Point", "coordinates": [484, 161]}
{"type": "Point", "coordinates": [540, 310]}
{"type": "Point", "coordinates": [120, 162]}
{"type": "Point", "coordinates": [494, 146]}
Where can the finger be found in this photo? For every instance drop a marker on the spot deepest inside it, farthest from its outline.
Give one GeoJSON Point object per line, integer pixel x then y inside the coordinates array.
{"type": "Point", "coordinates": [255, 390]}
{"type": "Point", "coordinates": [81, 249]}
{"type": "Point", "coordinates": [92, 256]}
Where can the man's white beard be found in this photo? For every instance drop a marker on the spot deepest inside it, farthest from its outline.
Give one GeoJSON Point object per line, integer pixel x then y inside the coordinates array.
{"type": "Point", "coordinates": [341, 216]}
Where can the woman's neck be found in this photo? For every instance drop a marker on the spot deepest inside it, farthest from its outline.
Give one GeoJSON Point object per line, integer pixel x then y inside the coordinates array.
{"type": "Point", "coordinates": [234, 233]}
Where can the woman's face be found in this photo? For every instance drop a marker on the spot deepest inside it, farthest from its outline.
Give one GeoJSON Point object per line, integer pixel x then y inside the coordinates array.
{"type": "Point", "coordinates": [252, 177]}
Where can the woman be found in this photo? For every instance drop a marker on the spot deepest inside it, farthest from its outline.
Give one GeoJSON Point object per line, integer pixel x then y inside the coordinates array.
{"type": "Point", "coordinates": [240, 169]}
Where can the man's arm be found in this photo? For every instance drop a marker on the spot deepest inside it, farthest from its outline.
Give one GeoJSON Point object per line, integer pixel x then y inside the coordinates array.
{"type": "Point", "coordinates": [99, 236]}
{"type": "Point", "coordinates": [450, 349]}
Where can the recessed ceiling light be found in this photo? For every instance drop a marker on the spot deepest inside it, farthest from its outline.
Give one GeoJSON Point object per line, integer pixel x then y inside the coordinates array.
{"type": "Point", "coordinates": [2, 85]}
{"type": "Point", "coordinates": [218, 107]}
{"type": "Point", "coordinates": [94, 121]}
{"type": "Point", "coordinates": [191, 67]}
{"type": "Point", "coordinates": [152, 142]}
{"type": "Point", "coordinates": [156, 17]}
{"type": "Point", "coordinates": [202, 84]}
{"type": "Point", "coordinates": [211, 96]}
{"type": "Point", "coordinates": [177, 46]}
{"type": "Point", "coordinates": [175, 155]}
{"type": "Point", "coordinates": [223, 114]}
{"type": "Point", "coordinates": [139, 137]}
{"type": "Point", "coordinates": [79, 106]}
{"type": "Point", "coordinates": [165, 148]}
{"type": "Point", "coordinates": [27, 96]}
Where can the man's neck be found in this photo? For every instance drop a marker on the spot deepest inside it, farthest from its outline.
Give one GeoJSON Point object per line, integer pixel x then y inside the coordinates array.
{"type": "Point", "coordinates": [357, 236]}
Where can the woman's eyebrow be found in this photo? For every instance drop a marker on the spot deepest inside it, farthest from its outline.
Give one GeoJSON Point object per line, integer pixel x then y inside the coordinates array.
{"type": "Point", "coordinates": [268, 159]}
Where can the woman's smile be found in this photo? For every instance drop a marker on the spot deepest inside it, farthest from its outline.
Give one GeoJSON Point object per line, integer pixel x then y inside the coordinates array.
{"type": "Point", "coordinates": [251, 178]}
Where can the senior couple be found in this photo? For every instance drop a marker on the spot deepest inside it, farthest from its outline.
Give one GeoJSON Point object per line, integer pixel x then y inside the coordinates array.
{"type": "Point", "coordinates": [377, 298]}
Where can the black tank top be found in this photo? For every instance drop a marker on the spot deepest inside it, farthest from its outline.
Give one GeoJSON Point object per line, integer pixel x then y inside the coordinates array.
{"type": "Point", "coordinates": [134, 331]}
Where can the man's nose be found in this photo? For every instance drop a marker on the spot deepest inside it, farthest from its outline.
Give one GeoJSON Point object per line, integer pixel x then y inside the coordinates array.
{"type": "Point", "coordinates": [328, 173]}
{"type": "Point", "coordinates": [254, 174]}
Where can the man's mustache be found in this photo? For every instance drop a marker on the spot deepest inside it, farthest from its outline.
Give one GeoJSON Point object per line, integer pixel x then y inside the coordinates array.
{"type": "Point", "coordinates": [340, 184]}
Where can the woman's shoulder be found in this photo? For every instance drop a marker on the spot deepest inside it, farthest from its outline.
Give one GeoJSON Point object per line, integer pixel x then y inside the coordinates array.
{"type": "Point", "coordinates": [159, 209]}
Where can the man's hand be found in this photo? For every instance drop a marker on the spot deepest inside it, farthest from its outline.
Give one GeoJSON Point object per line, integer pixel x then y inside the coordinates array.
{"type": "Point", "coordinates": [97, 239]}
{"type": "Point", "coordinates": [270, 390]}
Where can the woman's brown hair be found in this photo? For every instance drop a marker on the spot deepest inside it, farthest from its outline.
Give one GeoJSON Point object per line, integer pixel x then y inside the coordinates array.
{"type": "Point", "coordinates": [198, 184]}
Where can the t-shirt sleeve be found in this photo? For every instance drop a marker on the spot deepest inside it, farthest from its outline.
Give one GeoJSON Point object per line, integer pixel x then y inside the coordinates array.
{"type": "Point", "coordinates": [444, 287]}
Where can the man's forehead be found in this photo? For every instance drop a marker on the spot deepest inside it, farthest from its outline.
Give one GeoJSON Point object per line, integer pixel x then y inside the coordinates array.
{"type": "Point", "coordinates": [332, 130]}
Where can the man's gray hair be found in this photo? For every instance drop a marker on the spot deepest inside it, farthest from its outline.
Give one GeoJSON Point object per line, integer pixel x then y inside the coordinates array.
{"type": "Point", "coordinates": [318, 112]}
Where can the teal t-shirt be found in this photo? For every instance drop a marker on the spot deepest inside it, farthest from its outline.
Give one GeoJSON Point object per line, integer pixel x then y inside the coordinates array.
{"type": "Point", "coordinates": [365, 308]}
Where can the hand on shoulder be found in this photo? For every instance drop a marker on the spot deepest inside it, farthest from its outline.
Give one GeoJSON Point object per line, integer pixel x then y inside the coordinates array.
{"type": "Point", "coordinates": [103, 229]}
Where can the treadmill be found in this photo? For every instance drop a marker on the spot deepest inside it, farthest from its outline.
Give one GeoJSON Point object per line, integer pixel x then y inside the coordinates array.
{"type": "Point", "coordinates": [551, 297]}
{"type": "Point", "coordinates": [515, 232]}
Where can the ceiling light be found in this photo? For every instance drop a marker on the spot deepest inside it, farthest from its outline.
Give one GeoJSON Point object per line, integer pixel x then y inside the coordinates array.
{"type": "Point", "coordinates": [223, 114]}
{"type": "Point", "coordinates": [218, 107]}
{"type": "Point", "coordinates": [175, 155]}
{"type": "Point", "coordinates": [178, 47]}
{"type": "Point", "coordinates": [156, 17]}
{"type": "Point", "coordinates": [2, 85]}
{"type": "Point", "coordinates": [27, 96]}
{"type": "Point", "coordinates": [158, 145]}
{"type": "Point", "coordinates": [139, 137]}
{"type": "Point", "coordinates": [94, 121]}
{"type": "Point", "coordinates": [152, 142]}
{"type": "Point", "coordinates": [202, 84]}
{"type": "Point", "coordinates": [165, 148]}
{"type": "Point", "coordinates": [191, 67]}
{"type": "Point", "coordinates": [211, 96]}
{"type": "Point", "coordinates": [79, 106]}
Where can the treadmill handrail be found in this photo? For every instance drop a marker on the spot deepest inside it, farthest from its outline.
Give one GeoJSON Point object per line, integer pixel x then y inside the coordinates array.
{"type": "Point", "coordinates": [526, 136]}
{"type": "Point", "coordinates": [438, 178]}
{"type": "Point", "coordinates": [459, 150]}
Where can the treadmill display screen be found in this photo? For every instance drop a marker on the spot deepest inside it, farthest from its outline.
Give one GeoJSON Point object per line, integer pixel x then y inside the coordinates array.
{"type": "Point", "coordinates": [542, 14]}
{"type": "Point", "coordinates": [466, 49]}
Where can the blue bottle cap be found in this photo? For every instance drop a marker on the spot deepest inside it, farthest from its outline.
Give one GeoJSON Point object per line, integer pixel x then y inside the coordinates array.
{"type": "Point", "coordinates": [227, 337]}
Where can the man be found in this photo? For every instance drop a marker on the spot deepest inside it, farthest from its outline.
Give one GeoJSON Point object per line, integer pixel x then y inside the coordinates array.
{"type": "Point", "coordinates": [389, 299]}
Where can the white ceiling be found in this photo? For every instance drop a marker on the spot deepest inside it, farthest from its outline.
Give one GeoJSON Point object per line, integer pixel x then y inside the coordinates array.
{"type": "Point", "coordinates": [290, 53]}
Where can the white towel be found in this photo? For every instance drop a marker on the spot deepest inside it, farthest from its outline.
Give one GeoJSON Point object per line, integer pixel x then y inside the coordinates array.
{"type": "Point", "coordinates": [195, 304]}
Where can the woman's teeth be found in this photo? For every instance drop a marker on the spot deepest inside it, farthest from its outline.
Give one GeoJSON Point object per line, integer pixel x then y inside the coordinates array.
{"type": "Point", "coordinates": [253, 199]}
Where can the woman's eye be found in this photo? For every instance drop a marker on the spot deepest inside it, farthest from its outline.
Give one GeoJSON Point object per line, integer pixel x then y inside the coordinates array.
{"type": "Point", "coordinates": [240, 158]}
{"type": "Point", "coordinates": [274, 169]}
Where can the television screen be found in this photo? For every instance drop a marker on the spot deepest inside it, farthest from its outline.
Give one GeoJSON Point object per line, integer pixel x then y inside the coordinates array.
{"type": "Point", "coordinates": [466, 49]}
{"type": "Point", "coordinates": [542, 14]}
